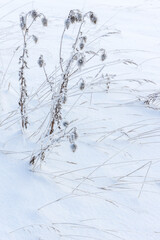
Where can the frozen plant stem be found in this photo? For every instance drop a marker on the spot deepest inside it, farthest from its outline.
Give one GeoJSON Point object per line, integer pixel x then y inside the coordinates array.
{"type": "Point", "coordinates": [73, 17]}
{"type": "Point", "coordinates": [30, 17]}
{"type": "Point", "coordinates": [59, 97]}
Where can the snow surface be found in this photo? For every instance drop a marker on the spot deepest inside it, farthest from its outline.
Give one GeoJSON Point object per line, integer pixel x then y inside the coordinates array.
{"type": "Point", "coordinates": [110, 187]}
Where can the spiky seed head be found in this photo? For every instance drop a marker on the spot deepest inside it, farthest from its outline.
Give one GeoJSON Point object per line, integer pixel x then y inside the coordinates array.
{"type": "Point", "coordinates": [42, 156]}
{"type": "Point", "coordinates": [67, 23]}
{"type": "Point", "coordinates": [65, 124]}
{"type": "Point", "coordinates": [79, 17]}
{"type": "Point", "coordinates": [72, 18]}
{"type": "Point", "coordinates": [73, 147]}
{"type": "Point", "coordinates": [41, 61]}
{"type": "Point", "coordinates": [35, 39]}
{"type": "Point", "coordinates": [84, 39]}
{"type": "Point", "coordinates": [75, 134]}
{"type": "Point", "coordinates": [81, 45]}
{"type": "Point", "coordinates": [82, 85]}
{"type": "Point", "coordinates": [34, 14]}
{"type": "Point", "coordinates": [103, 56]}
{"type": "Point", "coordinates": [75, 57]}
{"type": "Point", "coordinates": [81, 62]}
{"type": "Point", "coordinates": [93, 18]}
{"type": "Point", "coordinates": [44, 22]}
{"type": "Point", "coordinates": [22, 22]}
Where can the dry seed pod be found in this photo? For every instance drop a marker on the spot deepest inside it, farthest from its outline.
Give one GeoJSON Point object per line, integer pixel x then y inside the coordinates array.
{"type": "Point", "coordinates": [65, 124]}
{"type": "Point", "coordinates": [35, 39]}
{"type": "Point", "coordinates": [22, 22]}
{"type": "Point", "coordinates": [41, 61]}
{"type": "Point", "coordinates": [81, 62]}
{"type": "Point", "coordinates": [82, 85]}
{"type": "Point", "coordinates": [81, 45]}
{"type": "Point", "coordinates": [67, 23]}
{"type": "Point", "coordinates": [93, 18]}
{"type": "Point", "coordinates": [73, 147]}
{"type": "Point", "coordinates": [103, 56]}
{"type": "Point", "coordinates": [79, 17]}
{"type": "Point", "coordinates": [34, 14]}
{"type": "Point", "coordinates": [44, 22]}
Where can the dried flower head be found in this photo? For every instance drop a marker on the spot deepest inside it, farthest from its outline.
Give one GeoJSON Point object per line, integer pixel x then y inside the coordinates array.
{"type": "Point", "coordinates": [79, 17]}
{"type": "Point", "coordinates": [65, 124]}
{"type": "Point", "coordinates": [81, 45]}
{"type": "Point", "coordinates": [73, 136]}
{"type": "Point", "coordinates": [82, 85]}
{"type": "Point", "coordinates": [72, 18]}
{"type": "Point", "coordinates": [93, 18]}
{"type": "Point", "coordinates": [75, 57]}
{"type": "Point", "coordinates": [41, 61]}
{"type": "Point", "coordinates": [73, 147]}
{"type": "Point", "coordinates": [34, 14]}
{"type": "Point", "coordinates": [67, 23]}
{"type": "Point", "coordinates": [44, 22]}
{"type": "Point", "coordinates": [35, 39]}
{"type": "Point", "coordinates": [22, 22]}
{"type": "Point", "coordinates": [103, 56]}
{"type": "Point", "coordinates": [81, 62]}
{"type": "Point", "coordinates": [84, 39]}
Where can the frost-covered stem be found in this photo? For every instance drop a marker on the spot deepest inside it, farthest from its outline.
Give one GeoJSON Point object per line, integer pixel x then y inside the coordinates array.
{"type": "Point", "coordinates": [58, 98]}
{"type": "Point", "coordinates": [79, 31]}
{"type": "Point", "coordinates": [56, 116]}
{"type": "Point", "coordinates": [56, 108]}
{"type": "Point", "coordinates": [60, 51]}
{"type": "Point", "coordinates": [23, 85]}
{"type": "Point", "coordinates": [46, 76]}
{"type": "Point", "coordinates": [23, 60]}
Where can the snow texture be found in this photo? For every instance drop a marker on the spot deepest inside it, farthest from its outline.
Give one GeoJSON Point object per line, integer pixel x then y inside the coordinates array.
{"type": "Point", "coordinates": [109, 188]}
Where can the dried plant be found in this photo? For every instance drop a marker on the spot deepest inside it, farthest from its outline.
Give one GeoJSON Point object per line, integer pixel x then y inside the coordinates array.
{"type": "Point", "coordinates": [26, 22]}
{"type": "Point", "coordinates": [152, 101]}
{"type": "Point", "coordinates": [79, 57]}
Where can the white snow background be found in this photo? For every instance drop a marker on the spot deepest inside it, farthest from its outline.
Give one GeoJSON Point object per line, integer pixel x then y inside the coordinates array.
{"type": "Point", "coordinates": [110, 187]}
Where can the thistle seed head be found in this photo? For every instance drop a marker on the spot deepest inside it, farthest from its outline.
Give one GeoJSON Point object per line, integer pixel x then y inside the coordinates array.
{"type": "Point", "coordinates": [35, 39]}
{"type": "Point", "coordinates": [93, 18]}
{"type": "Point", "coordinates": [67, 23]}
{"type": "Point", "coordinates": [81, 45]}
{"type": "Point", "coordinates": [44, 22]}
{"type": "Point", "coordinates": [72, 19]}
{"type": "Point", "coordinates": [73, 147]}
{"type": "Point", "coordinates": [79, 17]}
{"type": "Point", "coordinates": [75, 16]}
{"type": "Point", "coordinates": [84, 39]}
{"type": "Point", "coordinates": [103, 56]}
{"type": "Point", "coordinates": [81, 62]}
{"type": "Point", "coordinates": [73, 136]}
{"type": "Point", "coordinates": [22, 22]}
{"type": "Point", "coordinates": [34, 14]}
{"type": "Point", "coordinates": [82, 85]}
{"type": "Point", "coordinates": [41, 61]}
{"type": "Point", "coordinates": [65, 124]}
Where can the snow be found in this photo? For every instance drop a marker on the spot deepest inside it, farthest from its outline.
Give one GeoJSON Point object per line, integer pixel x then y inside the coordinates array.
{"type": "Point", "coordinates": [109, 188]}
